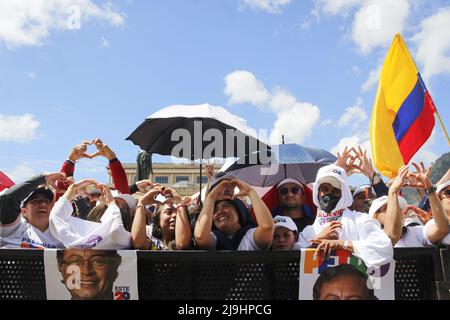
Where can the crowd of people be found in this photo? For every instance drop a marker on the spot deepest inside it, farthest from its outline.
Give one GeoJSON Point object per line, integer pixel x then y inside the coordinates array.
{"type": "Point", "coordinates": [53, 210]}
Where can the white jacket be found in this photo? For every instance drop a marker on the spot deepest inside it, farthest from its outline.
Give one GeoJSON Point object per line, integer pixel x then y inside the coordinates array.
{"type": "Point", "coordinates": [108, 234]}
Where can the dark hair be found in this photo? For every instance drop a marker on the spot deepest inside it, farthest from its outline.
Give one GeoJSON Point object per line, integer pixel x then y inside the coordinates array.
{"type": "Point", "coordinates": [240, 208]}
{"type": "Point", "coordinates": [156, 229]}
{"type": "Point", "coordinates": [341, 270]}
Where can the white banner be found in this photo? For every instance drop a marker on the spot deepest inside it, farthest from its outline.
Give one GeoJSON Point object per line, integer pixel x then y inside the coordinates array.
{"type": "Point", "coordinates": [343, 276]}
{"type": "Point", "coordinates": [79, 274]}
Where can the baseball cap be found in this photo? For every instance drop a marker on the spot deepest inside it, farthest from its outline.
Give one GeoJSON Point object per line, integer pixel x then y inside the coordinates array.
{"type": "Point", "coordinates": [362, 189]}
{"type": "Point", "coordinates": [41, 190]}
{"type": "Point", "coordinates": [289, 180]}
{"type": "Point", "coordinates": [128, 198]}
{"type": "Point", "coordinates": [381, 201]}
{"type": "Point", "coordinates": [286, 222]}
{"type": "Point", "coordinates": [331, 174]}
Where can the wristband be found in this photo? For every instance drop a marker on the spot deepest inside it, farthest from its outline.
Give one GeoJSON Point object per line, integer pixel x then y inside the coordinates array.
{"type": "Point", "coordinates": [430, 190]}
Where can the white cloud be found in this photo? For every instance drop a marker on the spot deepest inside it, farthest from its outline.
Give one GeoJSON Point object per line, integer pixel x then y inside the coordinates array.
{"type": "Point", "coordinates": [372, 80]}
{"type": "Point", "coordinates": [242, 86]}
{"type": "Point", "coordinates": [29, 23]}
{"type": "Point", "coordinates": [353, 116]}
{"type": "Point", "coordinates": [433, 43]}
{"type": "Point", "coordinates": [103, 43]}
{"type": "Point", "coordinates": [295, 119]}
{"type": "Point", "coordinates": [296, 123]}
{"type": "Point", "coordinates": [21, 173]}
{"type": "Point", "coordinates": [376, 23]}
{"type": "Point", "coordinates": [18, 128]}
{"type": "Point", "coordinates": [356, 71]}
{"type": "Point", "coordinates": [270, 6]}
{"type": "Point", "coordinates": [359, 139]}
{"type": "Point", "coordinates": [334, 7]}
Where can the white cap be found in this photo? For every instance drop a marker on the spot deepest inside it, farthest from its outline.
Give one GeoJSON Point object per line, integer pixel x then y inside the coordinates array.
{"type": "Point", "coordinates": [442, 186]}
{"type": "Point", "coordinates": [411, 217]}
{"type": "Point", "coordinates": [286, 222]}
{"type": "Point", "coordinates": [128, 198]}
{"type": "Point", "coordinates": [362, 189]}
{"type": "Point", "coordinates": [289, 180]}
{"type": "Point", "coordinates": [381, 201]}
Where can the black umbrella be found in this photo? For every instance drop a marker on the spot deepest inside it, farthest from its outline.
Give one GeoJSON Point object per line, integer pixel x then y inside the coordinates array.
{"type": "Point", "coordinates": [196, 132]}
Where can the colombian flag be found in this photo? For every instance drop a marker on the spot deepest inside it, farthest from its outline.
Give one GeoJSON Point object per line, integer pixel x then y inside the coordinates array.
{"type": "Point", "coordinates": [403, 113]}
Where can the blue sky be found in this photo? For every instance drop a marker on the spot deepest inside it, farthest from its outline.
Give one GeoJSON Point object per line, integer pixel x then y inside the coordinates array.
{"type": "Point", "coordinates": [306, 68]}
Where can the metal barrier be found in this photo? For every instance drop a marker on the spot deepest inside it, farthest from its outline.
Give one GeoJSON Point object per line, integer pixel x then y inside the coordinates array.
{"type": "Point", "coordinates": [421, 273]}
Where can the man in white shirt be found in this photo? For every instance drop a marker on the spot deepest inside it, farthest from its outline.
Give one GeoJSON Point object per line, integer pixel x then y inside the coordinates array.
{"type": "Point", "coordinates": [24, 214]}
{"type": "Point", "coordinates": [337, 227]}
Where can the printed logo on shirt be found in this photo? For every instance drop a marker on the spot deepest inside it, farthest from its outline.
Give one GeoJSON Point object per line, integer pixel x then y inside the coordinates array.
{"type": "Point", "coordinates": [92, 242]}
{"type": "Point", "coordinates": [325, 217]}
{"type": "Point", "coordinates": [30, 243]}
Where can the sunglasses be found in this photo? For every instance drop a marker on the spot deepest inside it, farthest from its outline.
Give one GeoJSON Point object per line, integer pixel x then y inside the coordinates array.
{"type": "Point", "coordinates": [285, 191]}
{"type": "Point", "coordinates": [445, 194]}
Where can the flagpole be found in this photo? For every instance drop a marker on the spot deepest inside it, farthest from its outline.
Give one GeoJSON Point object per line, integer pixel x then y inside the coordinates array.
{"type": "Point", "coordinates": [443, 127]}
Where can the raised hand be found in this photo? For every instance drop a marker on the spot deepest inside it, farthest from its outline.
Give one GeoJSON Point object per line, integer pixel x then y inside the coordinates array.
{"type": "Point", "coordinates": [347, 161]}
{"type": "Point", "coordinates": [52, 178]}
{"type": "Point", "coordinates": [422, 176]}
{"type": "Point", "coordinates": [399, 181]}
{"type": "Point", "coordinates": [79, 151]}
{"type": "Point", "coordinates": [102, 150]}
{"type": "Point", "coordinates": [172, 196]}
{"type": "Point", "coordinates": [145, 185]}
{"type": "Point", "coordinates": [149, 197]}
{"type": "Point", "coordinates": [331, 231]}
{"type": "Point", "coordinates": [244, 188]}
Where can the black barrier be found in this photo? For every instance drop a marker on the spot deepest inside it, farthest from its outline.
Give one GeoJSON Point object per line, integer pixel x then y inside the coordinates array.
{"type": "Point", "coordinates": [421, 274]}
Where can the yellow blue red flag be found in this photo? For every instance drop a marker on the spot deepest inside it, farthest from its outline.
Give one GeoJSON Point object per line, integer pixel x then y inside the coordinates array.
{"type": "Point", "coordinates": [403, 113]}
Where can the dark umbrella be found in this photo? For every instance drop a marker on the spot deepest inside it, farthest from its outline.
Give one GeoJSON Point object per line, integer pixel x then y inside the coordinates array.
{"type": "Point", "coordinates": [289, 160]}
{"type": "Point", "coordinates": [195, 132]}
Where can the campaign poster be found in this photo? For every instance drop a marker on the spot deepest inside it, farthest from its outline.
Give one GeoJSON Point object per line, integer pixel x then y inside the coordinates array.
{"type": "Point", "coordinates": [343, 276]}
{"type": "Point", "coordinates": [88, 274]}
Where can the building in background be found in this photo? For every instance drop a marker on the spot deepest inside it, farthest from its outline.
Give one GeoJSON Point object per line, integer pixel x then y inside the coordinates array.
{"type": "Point", "coordinates": [185, 178]}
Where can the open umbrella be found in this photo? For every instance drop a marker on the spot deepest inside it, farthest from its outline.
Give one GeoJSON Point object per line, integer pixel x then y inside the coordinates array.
{"type": "Point", "coordinates": [5, 181]}
{"type": "Point", "coordinates": [196, 132]}
{"type": "Point", "coordinates": [288, 160]}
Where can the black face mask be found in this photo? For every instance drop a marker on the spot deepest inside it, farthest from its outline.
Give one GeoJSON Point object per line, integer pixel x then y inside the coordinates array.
{"type": "Point", "coordinates": [328, 202]}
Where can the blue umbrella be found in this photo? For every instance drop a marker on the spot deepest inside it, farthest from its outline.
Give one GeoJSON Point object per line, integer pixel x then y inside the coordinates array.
{"type": "Point", "coordinates": [289, 161]}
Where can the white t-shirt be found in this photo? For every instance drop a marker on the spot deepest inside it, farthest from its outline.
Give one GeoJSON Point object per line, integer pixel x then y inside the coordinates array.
{"type": "Point", "coordinates": [415, 236]}
{"type": "Point", "coordinates": [446, 239]}
{"type": "Point", "coordinates": [247, 242]}
{"type": "Point", "coordinates": [21, 234]}
{"type": "Point", "coordinates": [370, 243]}
{"type": "Point", "coordinates": [108, 234]}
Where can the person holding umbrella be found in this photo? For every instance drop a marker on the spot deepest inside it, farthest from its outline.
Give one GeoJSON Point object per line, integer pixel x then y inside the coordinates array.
{"type": "Point", "coordinates": [221, 223]}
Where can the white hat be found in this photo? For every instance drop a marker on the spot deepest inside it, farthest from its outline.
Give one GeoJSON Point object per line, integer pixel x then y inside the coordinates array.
{"type": "Point", "coordinates": [362, 189]}
{"type": "Point", "coordinates": [286, 222]}
{"type": "Point", "coordinates": [128, 198]}
{"type": "Point", "coordinates": [381, 201]}
{"type": "Point", "coordinates": [442, 186]}
{"type": "Point", "coordinates": [289, 180]}
{"type": "Point", "coordinates": [337, 177]}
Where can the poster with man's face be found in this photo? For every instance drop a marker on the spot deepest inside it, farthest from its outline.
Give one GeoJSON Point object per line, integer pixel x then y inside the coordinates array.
{"type": "Point", "coordinates": [80, 274]}
{"type": "Point", "coordinates": [343, 276]}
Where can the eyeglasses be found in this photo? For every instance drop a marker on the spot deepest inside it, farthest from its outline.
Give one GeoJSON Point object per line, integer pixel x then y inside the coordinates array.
{"type": "Point", "coordinates": [444, 194]}
{"type": "Point", "coordinates": [284, 191]}
{"type": "Point", "coordinates": [98, 262]}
